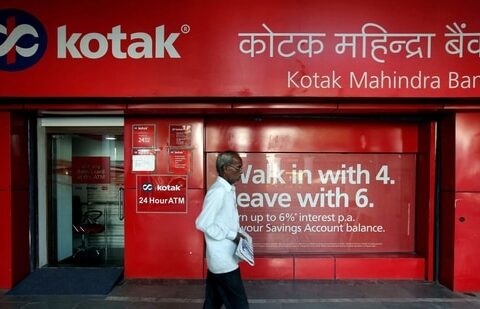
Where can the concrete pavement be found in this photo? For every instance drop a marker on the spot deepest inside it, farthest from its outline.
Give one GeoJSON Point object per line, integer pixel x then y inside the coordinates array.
{"type": "Point", "coordinates": [262, 294]}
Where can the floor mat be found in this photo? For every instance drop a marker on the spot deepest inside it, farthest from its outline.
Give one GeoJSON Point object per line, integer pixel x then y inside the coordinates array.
{"type": "Point", "coordinates": [69, 281]}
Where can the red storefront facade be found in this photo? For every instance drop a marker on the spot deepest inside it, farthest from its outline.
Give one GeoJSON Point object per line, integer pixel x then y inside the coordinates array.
{"type": "Point", "coordinates": [358, 129]}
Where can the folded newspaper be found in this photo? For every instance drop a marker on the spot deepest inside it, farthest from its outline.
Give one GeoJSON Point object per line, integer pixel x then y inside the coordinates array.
{"type": "Point", "coordinates": [245, 248]}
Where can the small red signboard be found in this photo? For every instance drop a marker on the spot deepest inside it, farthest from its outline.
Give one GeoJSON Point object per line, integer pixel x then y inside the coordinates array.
{"type": "Point", "coordinates": [162, 193]}
{"type": "Point", "coordinates": [143, 136]}
{"type": "Point", "coordinates": [90, 170]}
{"type": "Point", "coordinates": [180, 135]}
{"type": "Point", "coordinates": [179, 161]}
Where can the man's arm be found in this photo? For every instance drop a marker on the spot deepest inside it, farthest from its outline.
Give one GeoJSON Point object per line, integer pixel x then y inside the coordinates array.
{"type": "Point", "coordinates": [206, 221]}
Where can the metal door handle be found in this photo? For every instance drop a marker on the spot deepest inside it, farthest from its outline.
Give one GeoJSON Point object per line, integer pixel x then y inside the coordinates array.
{"type": "Point", "coordinates": [121, 204]}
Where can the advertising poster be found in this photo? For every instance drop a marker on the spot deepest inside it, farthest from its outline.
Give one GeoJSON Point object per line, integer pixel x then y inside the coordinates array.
{"type": "Point", "coordinates": [315, 203]}
{"type": "Point", "coordinates": [162, 193]}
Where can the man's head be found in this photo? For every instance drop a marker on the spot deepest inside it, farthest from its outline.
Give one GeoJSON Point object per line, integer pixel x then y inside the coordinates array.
{"type": "Point", "coordinates": [229, 166]}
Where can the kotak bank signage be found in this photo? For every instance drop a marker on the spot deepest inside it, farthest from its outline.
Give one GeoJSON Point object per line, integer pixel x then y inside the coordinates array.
{"type": "Point", "coordinates": [25, 41]}
{"type": "Point", "coordinates": [162, 193]}
{"type": "Point", "coordinates": [315, 48]}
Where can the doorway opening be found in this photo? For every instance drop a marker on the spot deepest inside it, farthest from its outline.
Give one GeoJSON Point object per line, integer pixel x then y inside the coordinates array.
{"type": "Point", "coordinates": [84, 196]}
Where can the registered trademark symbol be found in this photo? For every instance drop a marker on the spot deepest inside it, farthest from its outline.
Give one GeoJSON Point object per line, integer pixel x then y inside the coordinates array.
{"type": "Point", "coordinates": [185, 29]}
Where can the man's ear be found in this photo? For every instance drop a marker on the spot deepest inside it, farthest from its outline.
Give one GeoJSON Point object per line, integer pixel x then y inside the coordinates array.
{"type": "Point", "coordinates": [222, 170]}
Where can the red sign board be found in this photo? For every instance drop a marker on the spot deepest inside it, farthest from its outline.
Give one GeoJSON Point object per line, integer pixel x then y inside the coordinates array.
{"type": "Point", "coordinates": [180, 135]}
{"type": "Point", "coordinates": [162, 193]}
{"type": "Point", "coordinates": [342, 48]}
{"type": "Point", "coordinates": [90, 170]}
{"type": "Point", "coordinates": [315, 203]}
{"type": "Point", "coordinates": [143, 136]}
{"type": "Point", "coordinates": [179, 161]}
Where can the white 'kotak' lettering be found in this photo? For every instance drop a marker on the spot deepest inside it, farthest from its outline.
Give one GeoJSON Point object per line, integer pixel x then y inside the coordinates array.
{"type": "Point", "coordinates": [96, 45]}
{"type": "Point", "coordinates": [169, 188]}
{"type": "Point", "coordinates": [285, 45]}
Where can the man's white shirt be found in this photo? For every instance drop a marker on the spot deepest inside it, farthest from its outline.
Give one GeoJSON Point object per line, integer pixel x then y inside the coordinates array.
{"type": "Point", "coordinates": [219, 222]}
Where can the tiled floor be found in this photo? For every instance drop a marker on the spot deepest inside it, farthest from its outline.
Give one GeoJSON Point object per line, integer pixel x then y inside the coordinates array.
{"type": "Point", "coordinates": [262, 294]}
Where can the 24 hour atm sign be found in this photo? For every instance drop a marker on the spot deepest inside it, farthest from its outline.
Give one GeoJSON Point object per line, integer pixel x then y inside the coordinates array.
{"type": "Point", "coordinates": [162, 193]}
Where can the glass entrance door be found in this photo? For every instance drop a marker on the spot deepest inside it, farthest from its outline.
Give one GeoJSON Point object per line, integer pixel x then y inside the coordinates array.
{"type": "Point", "coordinates": [86, 226]}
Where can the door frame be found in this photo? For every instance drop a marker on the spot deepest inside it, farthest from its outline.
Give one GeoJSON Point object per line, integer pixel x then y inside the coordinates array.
{"type": "Point", "coordinates": [45, 126]}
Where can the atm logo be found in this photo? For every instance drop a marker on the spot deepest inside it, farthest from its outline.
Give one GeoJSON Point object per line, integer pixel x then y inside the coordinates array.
{"type": "Point", "coordinates": [23, 40]}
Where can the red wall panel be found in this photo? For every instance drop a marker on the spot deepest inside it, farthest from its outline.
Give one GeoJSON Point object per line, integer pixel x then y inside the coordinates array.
{"type": "Point", "coordinates": [14, 211]}
{"type": "Point", "coordinates": [20, 235]}
{"type": "Point", "coordinates": [425, 193]}
{"type": "Point", "coordinates": [460, 202]}
{"type": "Point", "coordinates": [164, 245]}
{"type": "Point", "coordinates": [5, 240]}
{"type": "Point", "coordinates": [467, 238]}
{"type": "Point", "coordinates": [357, 267]}
{"type": "Point", "coordinates": [467, 152]}
{"type": "Point", "coordinates": [19, 151]}
{"type": "Point", "coordinates": [309, 135]}
{"type": "Point", "coordinates": [20, 197]}
{"type": "Point", "coordinates": [315, 268]}
{"type": "Point", "coordinates": [447, 238]}
{"type": "Point", "coordinates": [279, 268]}
{"type": "Point", "coordinates": [447, 153]}
{"type": "Point", "coordinates": [5, 204]}
{"type": "Point", "coordinates": [159, 245]}
{"type": "Point", "coordinates": [5, 181]}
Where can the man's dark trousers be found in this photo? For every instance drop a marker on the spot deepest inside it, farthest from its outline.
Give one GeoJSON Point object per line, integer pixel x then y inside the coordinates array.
{"type": "Point", "coordinates": [225, 289]}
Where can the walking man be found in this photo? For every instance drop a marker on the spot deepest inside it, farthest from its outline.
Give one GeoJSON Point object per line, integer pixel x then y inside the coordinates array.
{"type": "Point", "coordinates": [220, 224]}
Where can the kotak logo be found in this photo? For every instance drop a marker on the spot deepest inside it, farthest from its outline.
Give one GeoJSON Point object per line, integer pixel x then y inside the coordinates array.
{"type": "Point", "coordinates": [23, 40]}
{"type": "Point", "coordinates": [119, 44]}
{"type": "Point", "coordinates": [147, 187]}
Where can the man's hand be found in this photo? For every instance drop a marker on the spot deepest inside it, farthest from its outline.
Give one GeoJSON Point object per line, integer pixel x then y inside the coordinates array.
{"type": "Point", "coordinates": [237, 239]}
